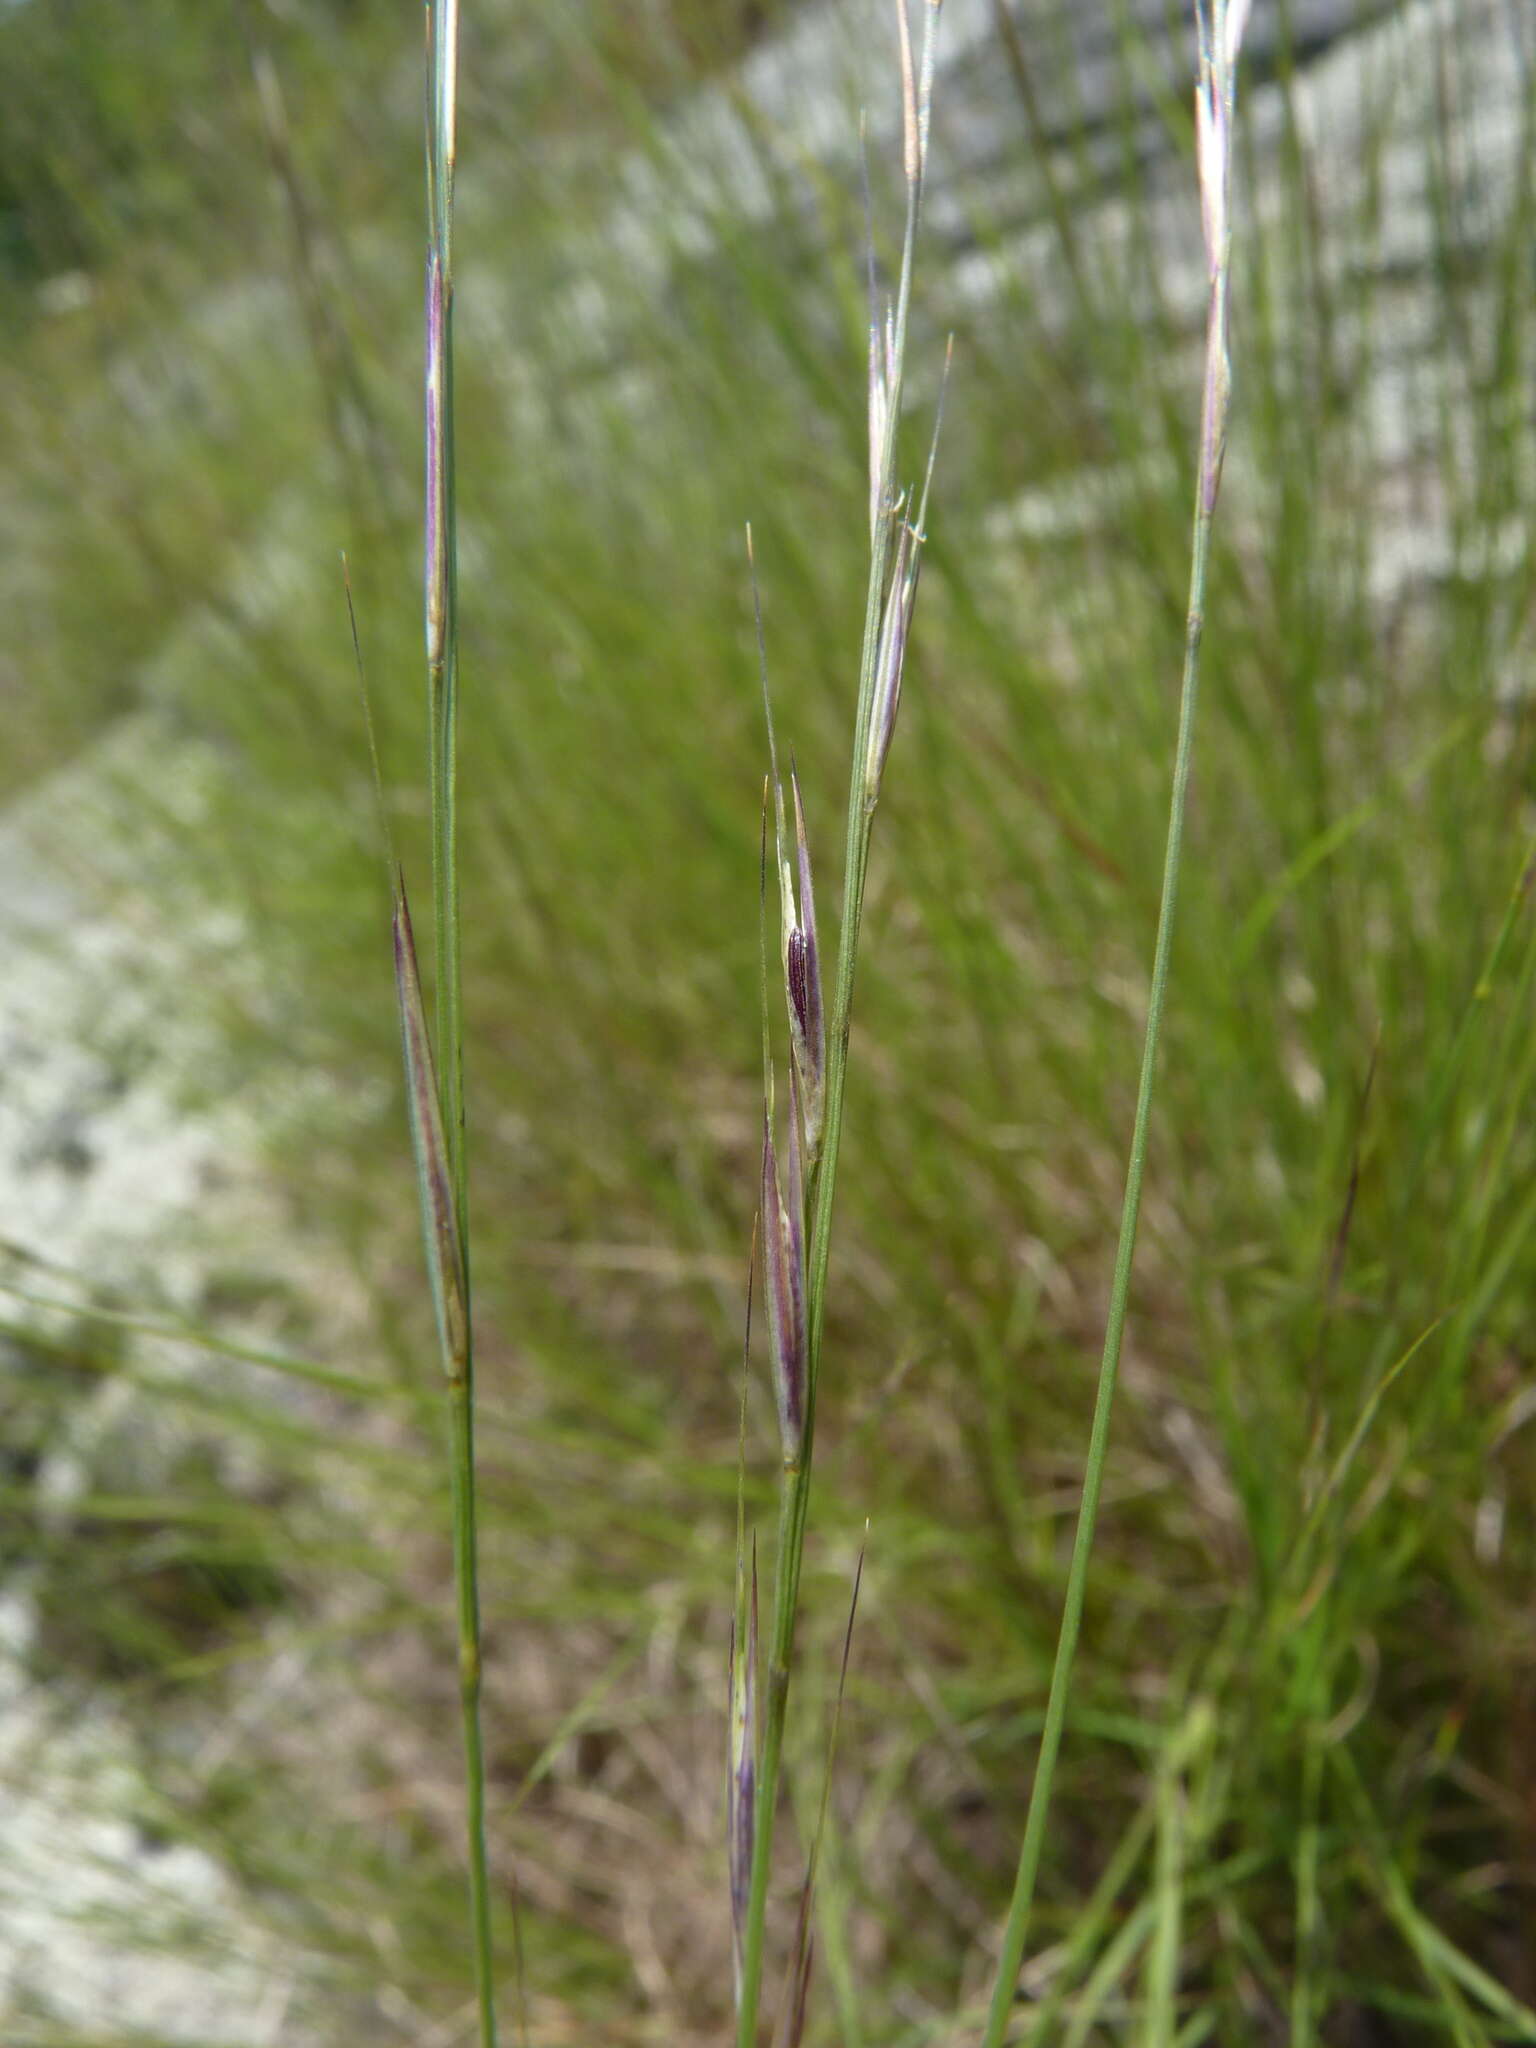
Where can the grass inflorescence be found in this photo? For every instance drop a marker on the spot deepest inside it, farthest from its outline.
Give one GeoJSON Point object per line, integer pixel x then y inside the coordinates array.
{"type": "Point", "coordinates": [795, 1213]}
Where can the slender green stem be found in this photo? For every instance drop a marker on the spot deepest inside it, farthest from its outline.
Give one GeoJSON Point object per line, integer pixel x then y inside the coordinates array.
{"type": "Point", "coordinates": [466, 1575]}
{"type": "Point", "coordinates": [795, 1492]}
{"type": "Point", "coordinates": [442, 619]}
{"type": "Point", "coordinates": [1016, 1928]}
{"type": "Point", "coordinates": [442, 570]}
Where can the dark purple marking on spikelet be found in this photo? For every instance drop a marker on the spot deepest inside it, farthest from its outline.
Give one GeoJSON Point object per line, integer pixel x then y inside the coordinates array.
{"type": "Point", "coordinates": [795, 969]}
{"type": "Point", "coordinates": [812, 1016]}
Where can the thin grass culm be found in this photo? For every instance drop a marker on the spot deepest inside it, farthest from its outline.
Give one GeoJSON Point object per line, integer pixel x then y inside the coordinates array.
{"type": "Point", "coordinates": [795, 1223]}
{"type": "Point", "coordinates": [1219, 33]}
{"type": "Point", "coordinates": [436, 1090]}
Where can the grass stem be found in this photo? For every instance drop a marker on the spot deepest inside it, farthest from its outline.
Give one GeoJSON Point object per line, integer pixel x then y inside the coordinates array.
{"type": "Point", "coordinates": [442, 632]}
{"type": "Point", "coordinates": [1218, 55]}
{"type": "Point", "coordinates": [1016, 1928]}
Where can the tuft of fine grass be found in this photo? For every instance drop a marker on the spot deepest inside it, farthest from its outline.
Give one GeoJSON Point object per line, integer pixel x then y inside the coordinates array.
{"type": "Point", "coordinates": [1357, 838]}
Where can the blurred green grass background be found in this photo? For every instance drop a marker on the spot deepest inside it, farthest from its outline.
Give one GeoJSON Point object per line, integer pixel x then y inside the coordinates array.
{"type": "Point", "coordinates": [1301, 1744]}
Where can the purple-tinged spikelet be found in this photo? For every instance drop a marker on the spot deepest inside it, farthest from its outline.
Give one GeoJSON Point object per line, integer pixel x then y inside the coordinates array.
{"type": "Point", "coordinates": [794, 1175]}
{"type": "Point", "coordinates": [797, 910]}
{"type": "Point", "coordinates": [802, 967]}
{"type": "Point", "coordinates": [784, 1270]}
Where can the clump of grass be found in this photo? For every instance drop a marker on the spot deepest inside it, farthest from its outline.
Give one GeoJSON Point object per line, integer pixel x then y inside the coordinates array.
{"type": "Point", "coordinates": [1297, 1745]}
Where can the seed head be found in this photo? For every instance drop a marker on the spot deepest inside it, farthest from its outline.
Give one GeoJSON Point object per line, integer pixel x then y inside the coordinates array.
{"type": "Point", "coordinates": [802, 972]}
{"type": "Point", "coordinates": [1219, 28]}
{"type": "Point", "coordinates": [911, 157]}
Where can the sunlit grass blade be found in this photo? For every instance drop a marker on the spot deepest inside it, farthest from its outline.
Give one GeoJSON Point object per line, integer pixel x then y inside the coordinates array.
{"type": "Point", "coordinates": [1220, 29]}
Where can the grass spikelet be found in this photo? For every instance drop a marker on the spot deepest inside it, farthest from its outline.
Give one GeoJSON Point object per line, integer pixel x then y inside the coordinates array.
{"type": "Point", "coordinates": [808, 1028]}
{"type": "Point", "coordinates": [900, 604]}
{"type": "Point", "coordinates": [891, 661]}
{"type": "Point", "coordinates": [889, 597]}
{"type": "Point", "coordinates": [800, 954]}
{"type": "Point", "coordinates": [784, 1275]}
